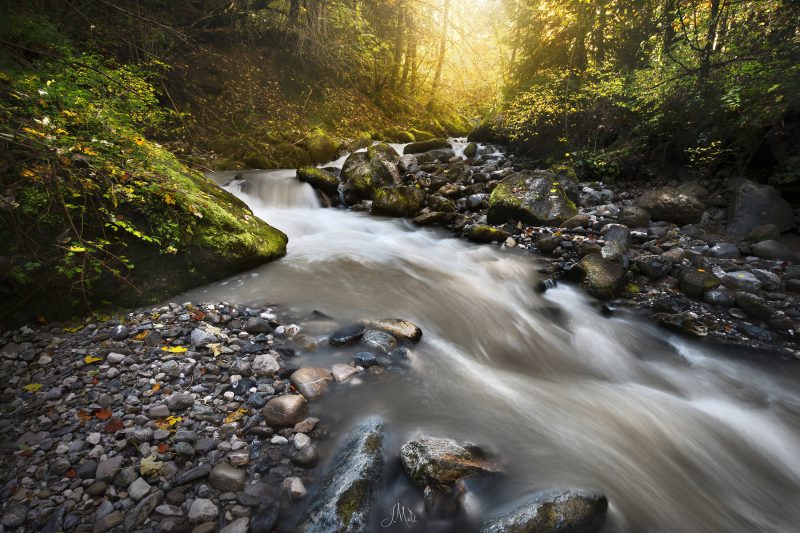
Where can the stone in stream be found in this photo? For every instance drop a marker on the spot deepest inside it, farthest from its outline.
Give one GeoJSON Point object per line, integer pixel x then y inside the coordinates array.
{"type": "Point", "coordinates": [255, 326]}
{"type": "Point", "coordinates": [441, 462]}
{"type": "Point", "coordinates": [202, 510]}
{"type": "Point", "coordinates": [421, 147]}
{"type": "Point", "coordinates": [345, 498]}
{"type": "Point", "coordinates": [741, 280]}
{"type": "Point", "coordinates": [633, 217]}
{"type": "Point", "coordinates": [672, 205]}
{"type": "Point", "coordinates": [774, 250]}
{"type": "Point", "coordinates": [767, 232]}
{"type": "Point", "coordinates": [311, 382]}
{"type": "Point", "coordinates": [400, 201]}
{"type": "Point", "coordinates": [285, 410]}
{"type": "Point", "coordinates": [342, 373]}
{"type": "Point", "coordinates": [601, 277]}
{"type": "Point", "coordinates": [365, 172]}
{"type": "Point", "coordinates": [402, 330]}
{"type": "Point", "coordinates": [486, 234]}
{"type": "Point", "coordinates": [379, 340]}
{"type": "Point", "coordinates": [755, 307]}
{"type": "Point", "coordinates": [654, 266]}
{"type": "Point", "coordinates": [569, 511]}
{"type": "Point", "coordinates": [265, 365]}
{"type": "Point", "coordinates": [346, 335]}
{"type": "Point", "coordinates": [320, 179]}
{"type": "Point", "coordinates": [535, 198]}
{"type": "Point", "coordinates": [227, 478]}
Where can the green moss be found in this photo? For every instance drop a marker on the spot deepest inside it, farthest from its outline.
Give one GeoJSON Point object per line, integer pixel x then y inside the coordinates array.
{"type": "Point", "coordinates": [504, 205]}
{"type": "Point", "coordinates": [405, 137]}
{"type": "Point", "coordinates": [256, 160]}
{"type": "Point", "coordinates": [471, 150]}
{"type": "Point", "coordinates": [362, 140]}
{"type": "Point", "coordinates": [421, 135]}
{"type": "Point", "coordinates": [397, 201]}
{"type": "Point", "coordinates": [420, 147]}
{"type": "Point", "coordinates": [373, 443]}
{"type": "Point", "coordinates": [319, 179]}
{"type": "Point", "coordinates": [321, 148]}
{"type": "Point", "coordinates": [486, 234]}
{"type": "Point", "coordinates": [352, 500]}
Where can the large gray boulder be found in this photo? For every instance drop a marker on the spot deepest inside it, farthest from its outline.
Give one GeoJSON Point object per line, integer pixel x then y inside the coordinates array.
{"type": "Point", "coordinates": [568, 511]}
{"type": "Point", "coordinates": [442, 462]}
{"type": "Point", "coordinates": [753, 205]}
{"type": "Point", "coordinates": [533, 198]}
{"type": "Point", "coordinates": [365, 172]}
{"type": "Point", "coordinates": [344, 501]}
{"type": "Point", "coordinates": [672, 205]}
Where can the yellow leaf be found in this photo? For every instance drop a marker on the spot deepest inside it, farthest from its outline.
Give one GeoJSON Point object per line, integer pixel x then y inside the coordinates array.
{"type": "Point", "coordinates": [174, 349]}
{"type": "Point", "coordinates": [169, 199]}
{"type": "Point", "coordinates": [89, 359]}
{"type": "Point", "coordinates": [73, 329]}
{"type": "Point", "coordinates": [236, 415]}
{"type": "Point", "coordinates": [141, 336]}
{"type": "Point", "coordinates": [149, 466]}
{"type": "Point", "coordinates": [77, 249]}
{"type": "Point", "coordinates": [32, 387]}
{"type": "Point", "coordinates": [216, 348]}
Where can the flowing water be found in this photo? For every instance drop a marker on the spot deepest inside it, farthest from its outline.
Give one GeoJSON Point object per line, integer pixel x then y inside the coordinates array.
{"type": "Point", "coordinates": [680, 436]}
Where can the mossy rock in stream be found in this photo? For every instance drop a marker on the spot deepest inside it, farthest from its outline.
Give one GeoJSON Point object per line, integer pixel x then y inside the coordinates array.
{"type": "Point", "coordinates": [486, 234]}
{"type": "Point", "coordinates": [319, 179]}
{"type": "Point", "coordinates": [532, 198]}
{"type": "Point", "coordinates": [421, 147]}
{"type": "Point", "coordinates": [397, 201]}
{"type": "Point", "coordinates": [365, 172]}
{"type": "Point", "coordinates": [256, 161]}
{"type": "Point", "coordinates": [405, 137]}
{"type": "Point", "coordinates": [362, 140]}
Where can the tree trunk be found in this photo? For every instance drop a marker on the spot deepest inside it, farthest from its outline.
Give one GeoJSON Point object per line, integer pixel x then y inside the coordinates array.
{"type": "Point", "coordinates": [711, 41]}
{"type": "Point", "coordinates": [294, 12]}
{"type": "Point", "coordinates": [399, 45]}
{"type": "Point", "coordinates": [410, 50]}
{"type": "Point", "coordinates": [437, 77]}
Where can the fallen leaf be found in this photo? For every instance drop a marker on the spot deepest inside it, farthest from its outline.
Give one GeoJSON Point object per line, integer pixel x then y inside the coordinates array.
{"type": "Point", "coordinates": [73, 329]}
{"type": "Point", "coordinates": [162, 447]}
{"type": "Point", "coordinates": [114, 425]}
{"type": "Point", "coordinates": [103, 414]}
{"type": "Point", "coordinates": [149, 466]}
{"type": "Point", "coordinates": [168, 422]}
{"type": "Point", "coordinates": [236, 415]}
{"type": "Point", "coordinates": [156, 387]}
{"type": "Point", "coordinates": [71, 473]}
{"type": "Point", "coordinates": [83, 415]}
{"type": "Point", "coordinates": [174, 349]}
{"type": "Point", "coordinates": [89, 359]}
{"type": "Point", "coordinates": [168, 199]}
{"type": "Point", "coordinates": [216, 348]}
{"type": "Point", "coordinates": [32, 387]}
{"type": "Point", "coordinates": [141, 336]}
{"type": "Point", "coordinates": [198, 315]}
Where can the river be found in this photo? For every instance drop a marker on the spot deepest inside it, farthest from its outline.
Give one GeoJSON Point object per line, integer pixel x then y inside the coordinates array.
{"type": "Point", "coordinates": [680, 436]}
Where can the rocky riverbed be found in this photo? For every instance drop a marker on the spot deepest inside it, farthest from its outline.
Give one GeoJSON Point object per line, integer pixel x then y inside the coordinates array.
{"type": "Point", "coordinates": [707, 258]}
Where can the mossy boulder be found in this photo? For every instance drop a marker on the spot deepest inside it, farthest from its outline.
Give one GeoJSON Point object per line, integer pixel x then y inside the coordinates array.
{"type": "Point", "coordinates": [346, 496]}
{"type": "Point", "coordinates": [421, 135]}
{"type": "Point", "coordinates": [694, 282]}
{"type": "Point", "coordinates": [471, 150]}
{"type": "Point", "coordinates": [365, 172]}
{"type": "Point", "coordinates": [486, 234]}
{"type": "Point", "coordinates": [456, 125]}
{"type": "Point", "coordinates": [551, 512]}
{"type": "Point", "coordinates": [601, 277]}
{"type": "Point", "coordinates": [533, 198]}
{"type": "Point", "coordinates": [320, 179]}
{"type": "Point", "coordinates": [256, 160]}
{"type": "Point", "coordinates": [420, 147]}
{"type": "Point", "coordinates": [399, 201]}
{"type": "Point", "coordinates": [320, 147]}
{"type": "Point", "coordinates": [405, 137]}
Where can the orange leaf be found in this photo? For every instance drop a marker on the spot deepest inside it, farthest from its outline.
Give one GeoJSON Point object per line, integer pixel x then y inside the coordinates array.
{"type": "Point", "coordinates": [103, 414]}
{"type": "Point", "coordinates": [114, 425]}
{"type": "Point", "coordinates": [198, 315]}
{"type": "Point", "coordinates": [163, 447]}
{"type": "Point", "coordinates": [83, 415]}
{"type": "Point", "coordinates": [156, 387]}
{"type": "Point", "coordinates": [71, 473]}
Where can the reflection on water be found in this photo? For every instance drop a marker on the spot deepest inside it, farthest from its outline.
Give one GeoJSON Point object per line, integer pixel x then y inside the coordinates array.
{"type": "Point", "coordinates": [679, 436]}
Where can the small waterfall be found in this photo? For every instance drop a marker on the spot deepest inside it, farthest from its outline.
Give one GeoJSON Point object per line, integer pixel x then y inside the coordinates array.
{"type": "Point", "coordinates": [273, 189]}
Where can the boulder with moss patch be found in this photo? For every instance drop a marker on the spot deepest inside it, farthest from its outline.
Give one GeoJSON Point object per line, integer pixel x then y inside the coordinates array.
{"type": "Point", "coordinates": [421, 147]}
{"type": "Point", "coordinates": [532, 198]}
{"type": "Point", "coordinates": [365, 172]}
{"type": "Point", "coordinates": [421, 135]}
{"type": "Point", "coordinates": [601, 277]}
{"type": "Point", "coordinates": [345, 498]}
{"type": "Point", "coordinates": [405, 137]}
{"type": "Point", "coordinates": [486, 234]}
{"type": "Point", "coordinates": [320, 179]}
{"type": "Point", "coordinates": [362, 140]}
{"type": "Point", "coordinates": [402, 201]}
{"type": "Point", "coordinates": [553, 512]}
{"type": "Point", "coordinates": [321, 147]}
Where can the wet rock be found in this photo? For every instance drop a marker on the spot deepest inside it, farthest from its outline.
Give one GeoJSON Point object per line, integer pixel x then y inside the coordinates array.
{"type": "Point", "coordinates": [755, 307]}
{"type": "Point", "coordinates": [107, 469]}
{"type": "Point", "coordinates": [119, 333]}
{"type": "Point", "coordinates": [402, 330]}
{"type": "Point", "coordinates": [311, 382]}
{"type": "Point", "coordinates": [379, 340]}
{"type": "Point", "coordinates": [773, 250]}
{"type": "Point", "coordinates": [537, 198]}
{"type": "Point", "coordinates": [724, 250]}
{"type": "Point", "coordinates": [633, 217]}
{"type": "Point", "coordinates": [344, 501]}
{"type": "Point", "coordinates": [226, 478]}
{"type": "Point", "coordinates": [694, 282]}
{"type": "Point", "coordinates": [139, 489]}
{"type": "Point", "coordinates": [722, 297]}
{"type": "Point", "coordinates": [365, 172]}
{"type": "Point", "coordinates": [193, 474]}
{"type": "Point", "coordinates": [471, 150]}
{"type": "Point", "coordinates": [202, 510]}
{"type": "Point", "coordinates": [550, 513]}
{"type": "Point", "coordinates": [767, 232]}
{"type": "Point", "coordinates": [347, 335]}
{"type": "Point", "coordinates": [421, 147]}
{"type": "Point", "coordinates": [319, 179]}
{"type": "Point", "coordinates": [602, 278]}
{"type": "Point", "coordinates": [686, 322]}
{"type": "Point", "coordinates": [672, 205]}
{"type": "Point", "coordinates": [769, 280]}
{"type": "Point", "coordinates": [441, 462]}
{"type": "Point", "coordinates": [654, 266]}
{"type": "Point", "coordinates": [756, 205]}
{"type": "Point", "coordinates": [285, 410]}
{"type": "Point", "coordinates": [15, 516]}
{"type": "Point", "coordinates": [107, 522]}
{"type": "Point", "coordinates": [240, 525]}
{"type": "Point", "coordinates": [400, 201]}
{"type": "Point", "coordinates": [617, 233]}
{"type": "Point", "coordinates": [365, 359]}
{"type": "Point", "coordinates": [294, 487]}
{"type": "Point", "coordinates": [578, 221]}
{"type": "Point", "coordinates": [742, 280]}
{"type": "Point", "coordinates": [255, 326]}
{"type": "Point", "coordinates": [486, 234]}
{"type": "Point", "coordinates": [200, 337]}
